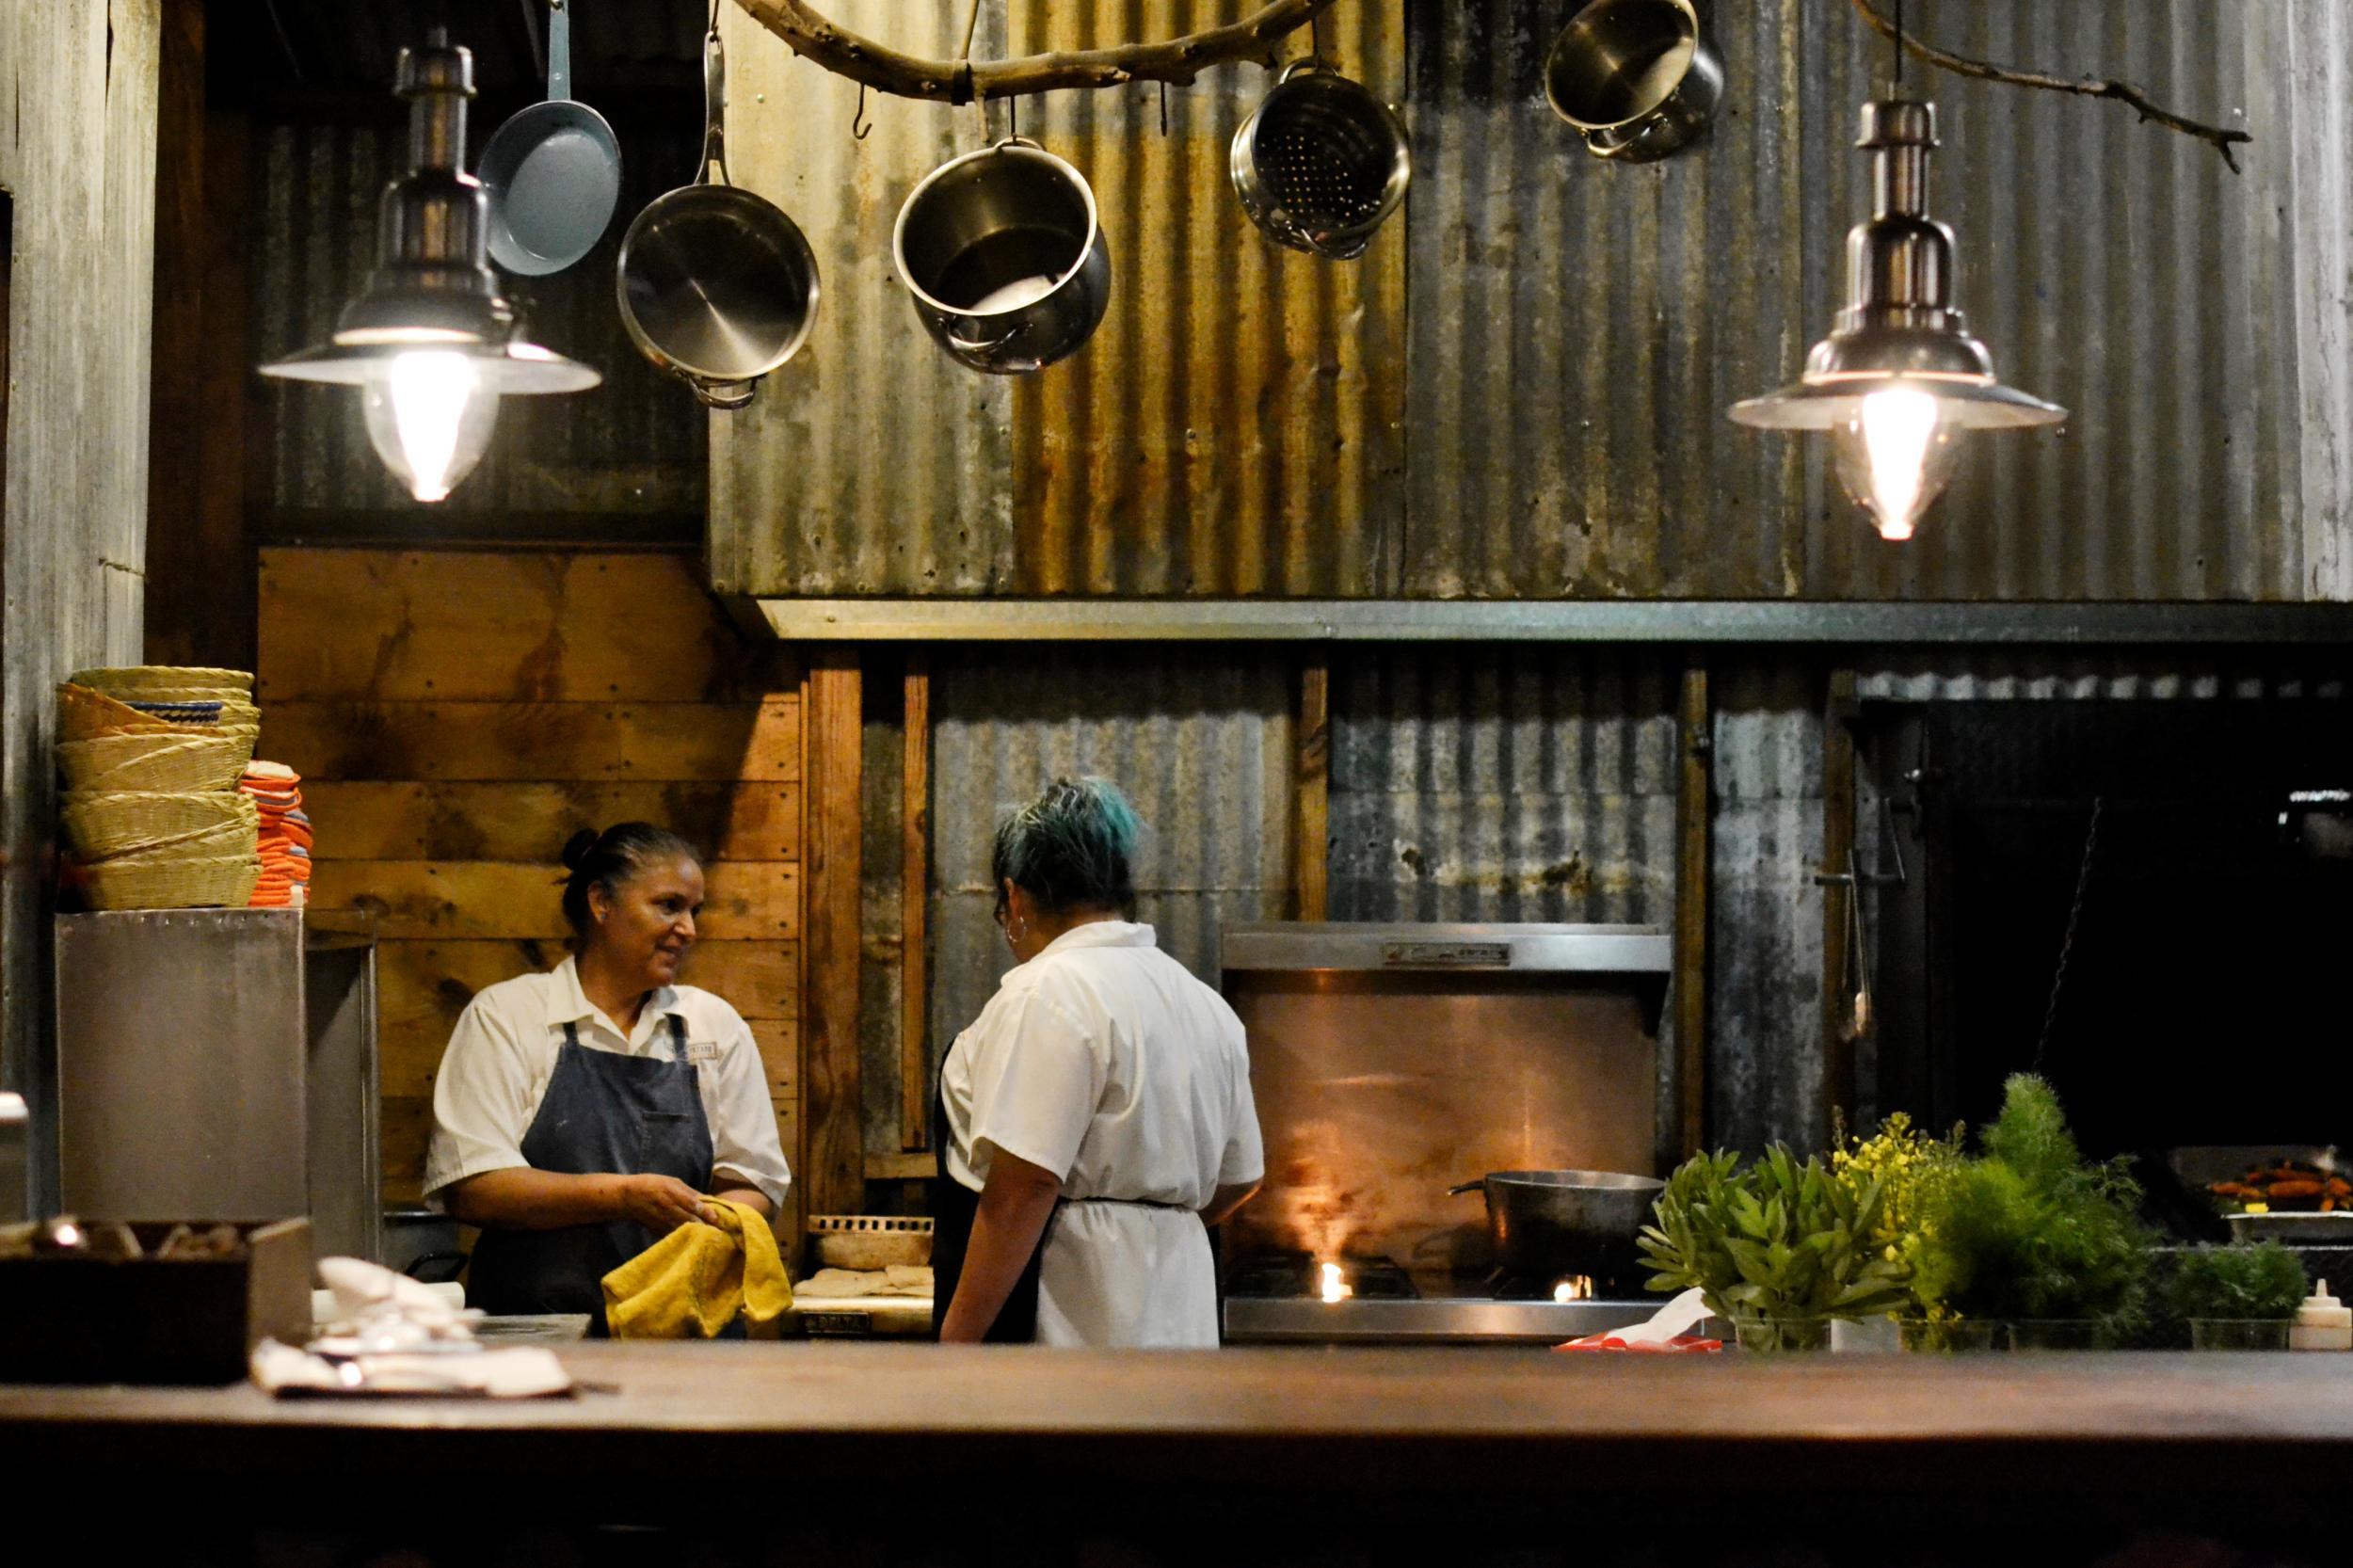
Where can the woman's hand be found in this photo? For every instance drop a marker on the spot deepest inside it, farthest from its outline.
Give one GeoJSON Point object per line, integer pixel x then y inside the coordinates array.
{"type": "Point", "coordinates": [521, 1198]}
{"type": "Point", "coordinates": [659, 1203]}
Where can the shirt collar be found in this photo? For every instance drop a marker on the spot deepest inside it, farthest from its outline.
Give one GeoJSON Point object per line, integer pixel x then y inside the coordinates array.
{"type": "Point", "coordinates": [1101, 934]}
{"type": "Point", "coordinates": [569, 1004]}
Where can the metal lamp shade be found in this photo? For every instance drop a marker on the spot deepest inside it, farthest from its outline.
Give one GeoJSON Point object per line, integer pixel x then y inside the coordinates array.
{"type": "Point", "coordinates": [1899, 325]}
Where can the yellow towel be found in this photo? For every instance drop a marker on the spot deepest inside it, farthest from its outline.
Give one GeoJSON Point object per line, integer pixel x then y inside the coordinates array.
{"type": "Point", "coordinates": [692, 1283]}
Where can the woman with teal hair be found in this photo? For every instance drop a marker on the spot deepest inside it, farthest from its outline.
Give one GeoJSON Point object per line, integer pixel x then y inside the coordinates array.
{"type": "Point", "coordinates": [1096, 1117]}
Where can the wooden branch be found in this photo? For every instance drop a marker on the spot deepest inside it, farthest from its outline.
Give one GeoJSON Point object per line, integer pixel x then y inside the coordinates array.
{"type": "Point", "coordinates": [886, 69]}
{"type": "Point", "coordinates": [2086, 87]}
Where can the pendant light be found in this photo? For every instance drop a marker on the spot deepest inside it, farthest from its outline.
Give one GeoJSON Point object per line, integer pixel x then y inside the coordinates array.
{"type": "Point", "coordinates": [431, 345]}
{"type": "Point", "coordinates": [1899, 377]}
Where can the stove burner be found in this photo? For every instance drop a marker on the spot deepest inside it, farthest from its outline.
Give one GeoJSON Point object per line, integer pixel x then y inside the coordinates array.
{"type": "Point", "coordinates": [1285, 1275]}
{"type": "Point", "coordinates": [1504, 1286]}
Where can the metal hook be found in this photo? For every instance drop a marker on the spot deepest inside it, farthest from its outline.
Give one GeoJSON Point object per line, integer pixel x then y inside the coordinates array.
{"type": "Point", "coordinates": [1163, 108]}
{"type": "Point", "coordinates": [858, 127]}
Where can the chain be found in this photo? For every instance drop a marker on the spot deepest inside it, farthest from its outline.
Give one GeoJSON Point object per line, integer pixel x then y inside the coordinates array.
{"type": "Point", "coordinates": [2067, 943]}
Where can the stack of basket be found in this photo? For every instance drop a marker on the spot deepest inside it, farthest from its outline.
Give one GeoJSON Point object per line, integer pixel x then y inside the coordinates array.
{"type": "Point", "coordinates": [150, 759]}
{"type": "Point", "coordinates": [276, 790]}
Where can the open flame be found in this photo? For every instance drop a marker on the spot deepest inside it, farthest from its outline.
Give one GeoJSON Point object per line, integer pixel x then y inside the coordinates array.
{"type": "Point", "coordinates": [1333, 1288]}
{"type": "Point", "coordinates": [1575, 1287]}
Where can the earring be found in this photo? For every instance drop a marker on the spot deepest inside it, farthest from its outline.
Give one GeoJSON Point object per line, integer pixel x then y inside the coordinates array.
{"type": "Point", "coordinates": [1019, 929]}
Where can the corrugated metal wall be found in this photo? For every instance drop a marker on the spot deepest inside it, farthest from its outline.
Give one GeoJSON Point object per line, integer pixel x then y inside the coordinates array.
{"type": "Point", "coordinates": [1576, 330]}
{"type": "Point", "coordinates": [634, 445]}
{"type": "Point", "coordinates": [875, 464]}
{"type": "Point", "coordinates": [1486, 785]}
{"type": "Point", "coordinates": [1203, 748]}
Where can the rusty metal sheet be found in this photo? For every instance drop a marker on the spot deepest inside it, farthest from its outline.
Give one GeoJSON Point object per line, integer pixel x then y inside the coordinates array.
{"type": "Point", "coordinates": [1486, 784]}
{"type": "Point", "coordinates": [1578, 328]}
{"type": "Point", "coordinates": [1204, 748]}
{"type": "Point", "coordinates": [871, 463]}
{"type": "Point", "coordinates": [1234, 425]}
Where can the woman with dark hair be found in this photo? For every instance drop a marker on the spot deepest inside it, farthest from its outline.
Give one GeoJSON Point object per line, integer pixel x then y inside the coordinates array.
{"type": "Point", "coordinates": [581, 1114]}
{"type": "Point", "coordinates": [1096, 1118]}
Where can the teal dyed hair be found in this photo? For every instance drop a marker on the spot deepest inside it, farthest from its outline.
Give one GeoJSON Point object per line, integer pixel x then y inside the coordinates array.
{"type": "Point", "coordinates": [1072, 848]}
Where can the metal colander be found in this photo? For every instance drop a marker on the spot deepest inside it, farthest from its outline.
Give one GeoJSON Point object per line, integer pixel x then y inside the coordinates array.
{"type": "Point", "coordinates": [1320, 163]}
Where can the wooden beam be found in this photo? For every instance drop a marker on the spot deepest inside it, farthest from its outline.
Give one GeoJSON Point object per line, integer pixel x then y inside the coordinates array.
{"type": "Point", "coordinates": [915, 869]}
{"type": "Point", "coordinates": [1311, 793]}
{"type": "Point", "coordinates": [1693, 804]}
{"type": "Point", "coordinates": [1838, 1071]}
{"type": "Point", "coordinates": [832, 1111]}
{"type": "Point", "coordinates": [181, 584]}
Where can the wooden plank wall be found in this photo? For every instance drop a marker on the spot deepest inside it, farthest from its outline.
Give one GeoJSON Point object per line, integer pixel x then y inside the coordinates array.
{"type": "Point", "coordinates": [457, 715]}
{"type": "Point", "coordinates": [77, 164]}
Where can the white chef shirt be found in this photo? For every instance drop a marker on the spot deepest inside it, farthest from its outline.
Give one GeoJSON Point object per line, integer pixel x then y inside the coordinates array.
{"type": "Point", "coordinates": [1105, 1062]}
{"type": "Point", "coordinates": [501, 1056]}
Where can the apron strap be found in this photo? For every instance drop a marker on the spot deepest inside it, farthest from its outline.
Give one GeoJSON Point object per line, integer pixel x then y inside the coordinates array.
{"type": "Point", "coordinates": [677, 1038]}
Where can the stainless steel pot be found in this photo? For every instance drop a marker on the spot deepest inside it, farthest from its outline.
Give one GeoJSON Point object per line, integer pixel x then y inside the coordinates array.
{"type": "Point", "coordinates": [1636, 76]}
{"type": "Point", "coordinates": [716, 284]}
{"type": "Point", "coordinates": [1005, 258]}
{"type": "Point", "coordinates": [1548, 1224]}
{"type": "Point", "coordinates": [1320, 163]}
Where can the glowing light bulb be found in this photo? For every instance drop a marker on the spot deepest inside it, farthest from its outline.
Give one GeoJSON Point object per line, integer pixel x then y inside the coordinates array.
{"type": "Point", "coordinates": [1894, 457]}
{"type": "Point", "coordinates": [430, 413]}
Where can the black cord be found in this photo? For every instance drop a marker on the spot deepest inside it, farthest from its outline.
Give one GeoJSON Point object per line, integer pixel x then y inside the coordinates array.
{"type": "Point", "coordinates": [1899, 45]}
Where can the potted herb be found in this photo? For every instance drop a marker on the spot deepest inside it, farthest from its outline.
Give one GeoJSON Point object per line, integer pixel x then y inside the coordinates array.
{"type": "Point", "coordinates": [2029, 1232]}
{"type": "Point", "coordinates": [2236, 1297]}
{"type": "Point", "coordinates": [1777, 1249]}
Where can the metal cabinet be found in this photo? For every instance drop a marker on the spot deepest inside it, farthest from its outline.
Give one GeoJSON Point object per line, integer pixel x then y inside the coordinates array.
{"type": "Point", "coordinates": [219, 1064]}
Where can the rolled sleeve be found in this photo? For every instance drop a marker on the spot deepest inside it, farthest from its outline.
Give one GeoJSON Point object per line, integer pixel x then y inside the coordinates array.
{"type": "Point", "coordinates": [481, 1102]}
{"type": "Point", "coordinates": [743, 1141]}
{"type": "Point", "coordinates": [1036, 1081]}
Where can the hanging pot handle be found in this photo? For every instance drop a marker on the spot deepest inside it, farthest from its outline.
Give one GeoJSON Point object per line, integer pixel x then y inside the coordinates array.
{"type": "Point", "coordinates": [985, 346]}
{"type": "Point", "coordinates": [1615, 142]}
{"type": "Point", "coordinates": [1292, 67]}
{"type": "Point", "coordinates": [714, 110]}
{"type": "Point", "coordinates": [559, 50]}
{"type": "Point", "coordinates": [720, 394]}
{"type": "Point", "coordinates": [1460, 1188]}
{"type": "Point", "coordinates": [1016, 140]}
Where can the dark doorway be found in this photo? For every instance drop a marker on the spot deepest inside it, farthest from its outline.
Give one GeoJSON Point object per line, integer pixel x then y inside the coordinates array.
{"type": "Point", "coordinates": [2202, 1001]}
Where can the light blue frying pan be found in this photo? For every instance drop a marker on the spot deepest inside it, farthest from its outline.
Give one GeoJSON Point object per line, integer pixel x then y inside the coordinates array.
{"type": "Point", "coordinates": [554, 171]}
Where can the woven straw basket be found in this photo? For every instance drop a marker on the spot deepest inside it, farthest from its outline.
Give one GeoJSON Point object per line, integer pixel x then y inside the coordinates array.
{"type": "Point", "coordinates": [173, 762]}
{"type": "Point", "coordinates": [100, 826]}
{"type": "Point", "coordinates": [83, 714]}
{"type": "Point", "coordinates": [173, 882]}
{"type": "Point", "coordinates": [148, 682]}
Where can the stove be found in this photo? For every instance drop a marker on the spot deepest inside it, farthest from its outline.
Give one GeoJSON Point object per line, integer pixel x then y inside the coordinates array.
{"type": "Point", "coordinates": [1393, 1062]}
{"type": "Point", "coordinates": [1292, 1298]}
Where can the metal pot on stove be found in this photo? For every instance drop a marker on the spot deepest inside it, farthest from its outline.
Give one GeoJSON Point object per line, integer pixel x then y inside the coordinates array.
{"type": "Point", "coordinates": [1555, 1225]}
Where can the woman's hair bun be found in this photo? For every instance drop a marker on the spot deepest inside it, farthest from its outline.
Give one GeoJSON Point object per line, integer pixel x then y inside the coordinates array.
{"type": "Point", "coordinates": [576, 848]}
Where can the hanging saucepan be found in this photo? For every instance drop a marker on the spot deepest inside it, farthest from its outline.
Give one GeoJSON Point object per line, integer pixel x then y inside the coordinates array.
{"type": "Point", "coordinates": [1004, 256]}
{"type": "Point", "coordinates": [1321, 161]}
{"type": "Point", "coordinates": [553, 171]}
{"type": "Point", "coordinates": [1549, 1224]}
{"type": "Point", "coordinates": [1635, 76]}
{"type": "Point", "coordinates": [716, 285]}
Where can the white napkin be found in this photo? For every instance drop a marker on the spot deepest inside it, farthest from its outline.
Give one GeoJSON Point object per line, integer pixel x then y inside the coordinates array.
{"type": "Point", "coordinates": [520, 1371]}
{"type": "Point", "coordinates": [1681, 1315]}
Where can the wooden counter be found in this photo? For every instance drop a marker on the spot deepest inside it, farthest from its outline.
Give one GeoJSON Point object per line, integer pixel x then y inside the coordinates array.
{"type": "Point", "coordinates": [1529, 1438]}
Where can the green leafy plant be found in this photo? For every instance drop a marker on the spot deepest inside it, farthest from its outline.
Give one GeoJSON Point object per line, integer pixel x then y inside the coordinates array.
{"type": "Point", "coordinates": [2246, 1280]}
{"type": "Point", "coordinates": [1911, 1168]}
{"type": "Point", "coordinates": [2029, 1230]}
{"type": "Point", "coordinates": [1777, 1249]}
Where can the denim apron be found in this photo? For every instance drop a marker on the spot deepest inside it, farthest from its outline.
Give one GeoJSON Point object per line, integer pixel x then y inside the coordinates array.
{"type": "Point", "coordinates": [605, 1114]}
